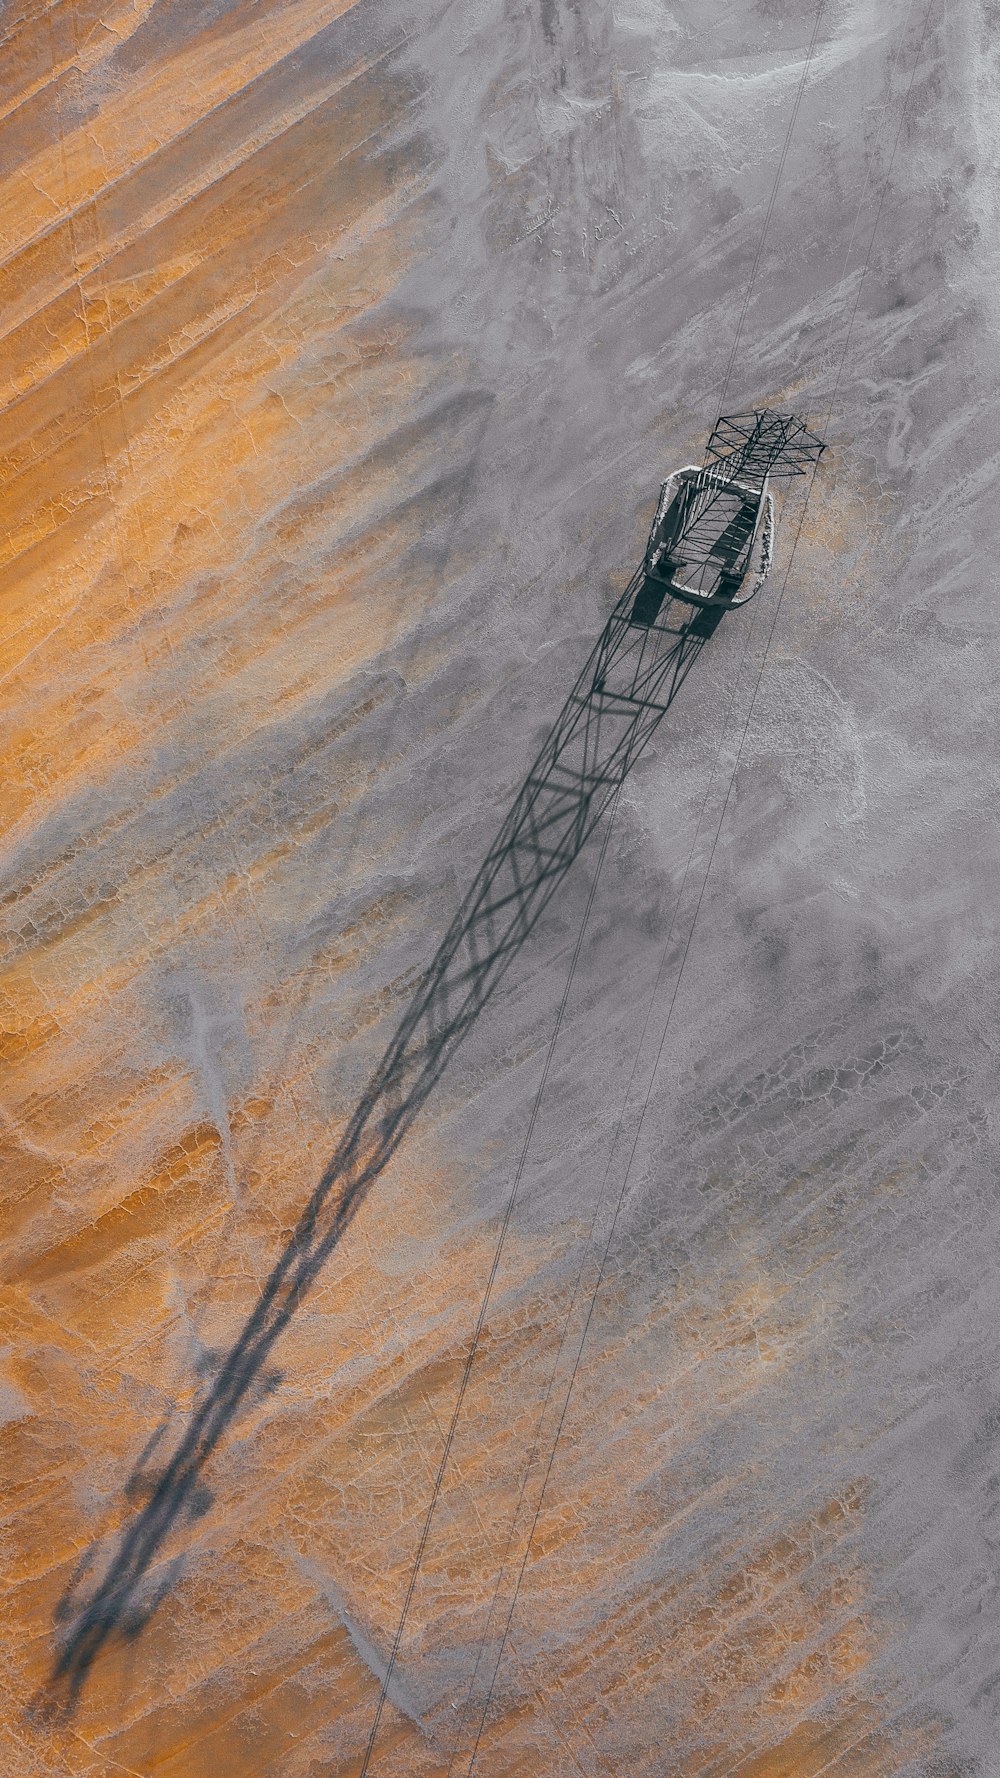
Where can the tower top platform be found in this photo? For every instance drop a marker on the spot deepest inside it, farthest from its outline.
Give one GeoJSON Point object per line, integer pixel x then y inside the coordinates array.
{"type": "Point", "coordinates": [753, 446]}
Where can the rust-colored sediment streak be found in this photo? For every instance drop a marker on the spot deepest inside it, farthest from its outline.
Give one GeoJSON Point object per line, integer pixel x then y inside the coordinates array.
{"type": "Point", "coordinates": [218, 444]}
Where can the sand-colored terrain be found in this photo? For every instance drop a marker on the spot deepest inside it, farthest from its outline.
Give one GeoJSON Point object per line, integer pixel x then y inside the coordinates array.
{"type": "Point", "coordinates": [345, 347]}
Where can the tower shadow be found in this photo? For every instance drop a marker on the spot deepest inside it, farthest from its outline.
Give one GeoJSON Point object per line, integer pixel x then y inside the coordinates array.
{"type": "Point", "coordinates": [635, 671]}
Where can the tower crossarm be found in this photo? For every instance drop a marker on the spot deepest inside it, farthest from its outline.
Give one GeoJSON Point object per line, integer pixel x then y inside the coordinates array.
{"type": "Point", "coordinates": [751, 447]}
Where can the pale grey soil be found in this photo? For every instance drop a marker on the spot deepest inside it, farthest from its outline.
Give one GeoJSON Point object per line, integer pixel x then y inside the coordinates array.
{"type": "Point", "coordinates": [783, 1442]}
{"type": "Point", "coordinates": [824, 1106]}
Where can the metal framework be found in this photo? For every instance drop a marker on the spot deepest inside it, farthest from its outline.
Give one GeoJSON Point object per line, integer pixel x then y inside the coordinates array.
{"type": "Point", "coordinates": [622, 694]}
{"type": "Point", "coordinates": [752, 447]}
{"type": "Point", "coordinates": [711, 533]}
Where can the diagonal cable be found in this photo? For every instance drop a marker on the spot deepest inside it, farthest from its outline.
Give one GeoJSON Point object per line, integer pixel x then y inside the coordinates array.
{"type": "Point", "coordinates": [687, 947]}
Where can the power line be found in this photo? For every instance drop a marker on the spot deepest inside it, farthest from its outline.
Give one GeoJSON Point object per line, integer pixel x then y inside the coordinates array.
{"type": "Point", "coordinates": [484, 1306]}
{"type": "Point", "coordinates": [470, 1357]}
{"type": "Point", "coordinates": [600, 1198]}
{"type": "Point", "coordinates": [477, 1332]}
{"type": "Point", "coordinates": [767, 216]}
{"type": "Point", "coordinates": [746, 304]}
{"type": "Point", "coordinates": [621, 1195]}
{"type": "Point", "coordinates": [687, 947]}
{"type": "Point", "coordinates": [885, 189]}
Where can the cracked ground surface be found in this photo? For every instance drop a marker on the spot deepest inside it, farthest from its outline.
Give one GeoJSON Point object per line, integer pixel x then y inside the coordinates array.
{"type": "Point", "coordinates": [346, 347]}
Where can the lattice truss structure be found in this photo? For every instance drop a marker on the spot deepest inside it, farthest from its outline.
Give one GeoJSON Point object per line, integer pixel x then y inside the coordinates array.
{"type": "Point", "coordinates": [711, 537]}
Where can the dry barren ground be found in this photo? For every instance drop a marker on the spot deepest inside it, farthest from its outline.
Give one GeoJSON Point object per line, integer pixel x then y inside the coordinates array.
{"type": "Point", "coordinates": [345, 347]}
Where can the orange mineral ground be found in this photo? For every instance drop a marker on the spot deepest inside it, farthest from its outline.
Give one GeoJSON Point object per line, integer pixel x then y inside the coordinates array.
{"type": "Point", "coordinates": [345, 348]}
